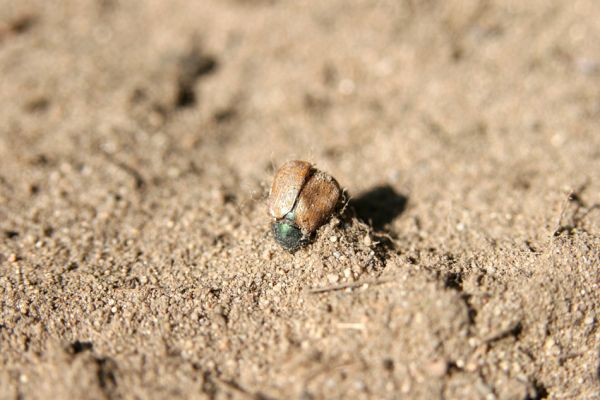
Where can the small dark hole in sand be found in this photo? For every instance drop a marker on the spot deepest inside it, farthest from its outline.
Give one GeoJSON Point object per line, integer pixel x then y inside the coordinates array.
{"type": "Point", "coordinates": [379, 206]}
{"type": "Point", "coordinates": [37, 105]}
{"type": "Point", "coordinates": [453, 367]}
{"type": "Point", "coordinates": [388, 364]}
{"type": "Point", "coordinates": [78, 347]}
{"type": "Point", "coordinates": [23, 23]}
{"type": "Point", "coordinates": [454, 281]}
{"type": "Point", "coordinates": [186, 96]}
{"type": "Point", "coordinates": [191, 67]}
{"type": "Point", "coordinates": [11, 234]}
{"type": "Point", "coordinates": [540, 391]}
{"type": "Point", "coordinates": [517, 330]}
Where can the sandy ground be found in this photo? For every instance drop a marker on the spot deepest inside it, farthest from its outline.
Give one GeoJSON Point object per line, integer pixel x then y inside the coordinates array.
{"type": "Point", "coordinates": [138, 140]}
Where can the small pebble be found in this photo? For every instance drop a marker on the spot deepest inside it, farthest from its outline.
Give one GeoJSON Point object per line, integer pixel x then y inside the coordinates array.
{"type": "Point", "coordinates": [267, 255]}
{"type": "Point", "coordinates": [437, 368]}
{"type": "Point", "coordinates": [333, 278]}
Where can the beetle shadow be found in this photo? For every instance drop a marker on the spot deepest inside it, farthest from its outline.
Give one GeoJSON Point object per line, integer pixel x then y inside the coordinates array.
{"type": "Point", "coordinates": [379, 206]}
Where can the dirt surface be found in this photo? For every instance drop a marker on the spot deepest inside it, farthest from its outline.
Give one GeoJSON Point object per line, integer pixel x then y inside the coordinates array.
{"type": "Point", "coordinates": [138, 140]}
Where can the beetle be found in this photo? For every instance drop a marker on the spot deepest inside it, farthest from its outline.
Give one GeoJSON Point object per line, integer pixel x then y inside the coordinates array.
{"type": "Point", "coordinates": [301, 199]}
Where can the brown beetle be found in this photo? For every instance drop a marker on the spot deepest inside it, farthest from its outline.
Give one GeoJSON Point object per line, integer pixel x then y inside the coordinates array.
{"type": "Point", "coordinates": [302, 198]}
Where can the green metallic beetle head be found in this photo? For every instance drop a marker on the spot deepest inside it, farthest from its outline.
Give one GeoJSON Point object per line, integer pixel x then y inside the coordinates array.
{"type": "Point", "coordinates": [287, 234]}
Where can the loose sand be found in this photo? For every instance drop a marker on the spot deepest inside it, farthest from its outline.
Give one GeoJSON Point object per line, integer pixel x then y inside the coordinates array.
{"type": "Point", "coordinates": [138, 140]}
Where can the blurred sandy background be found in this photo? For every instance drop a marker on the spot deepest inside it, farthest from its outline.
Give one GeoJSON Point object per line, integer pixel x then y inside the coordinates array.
{"type": "Point", "coordinates": [138, 140]}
